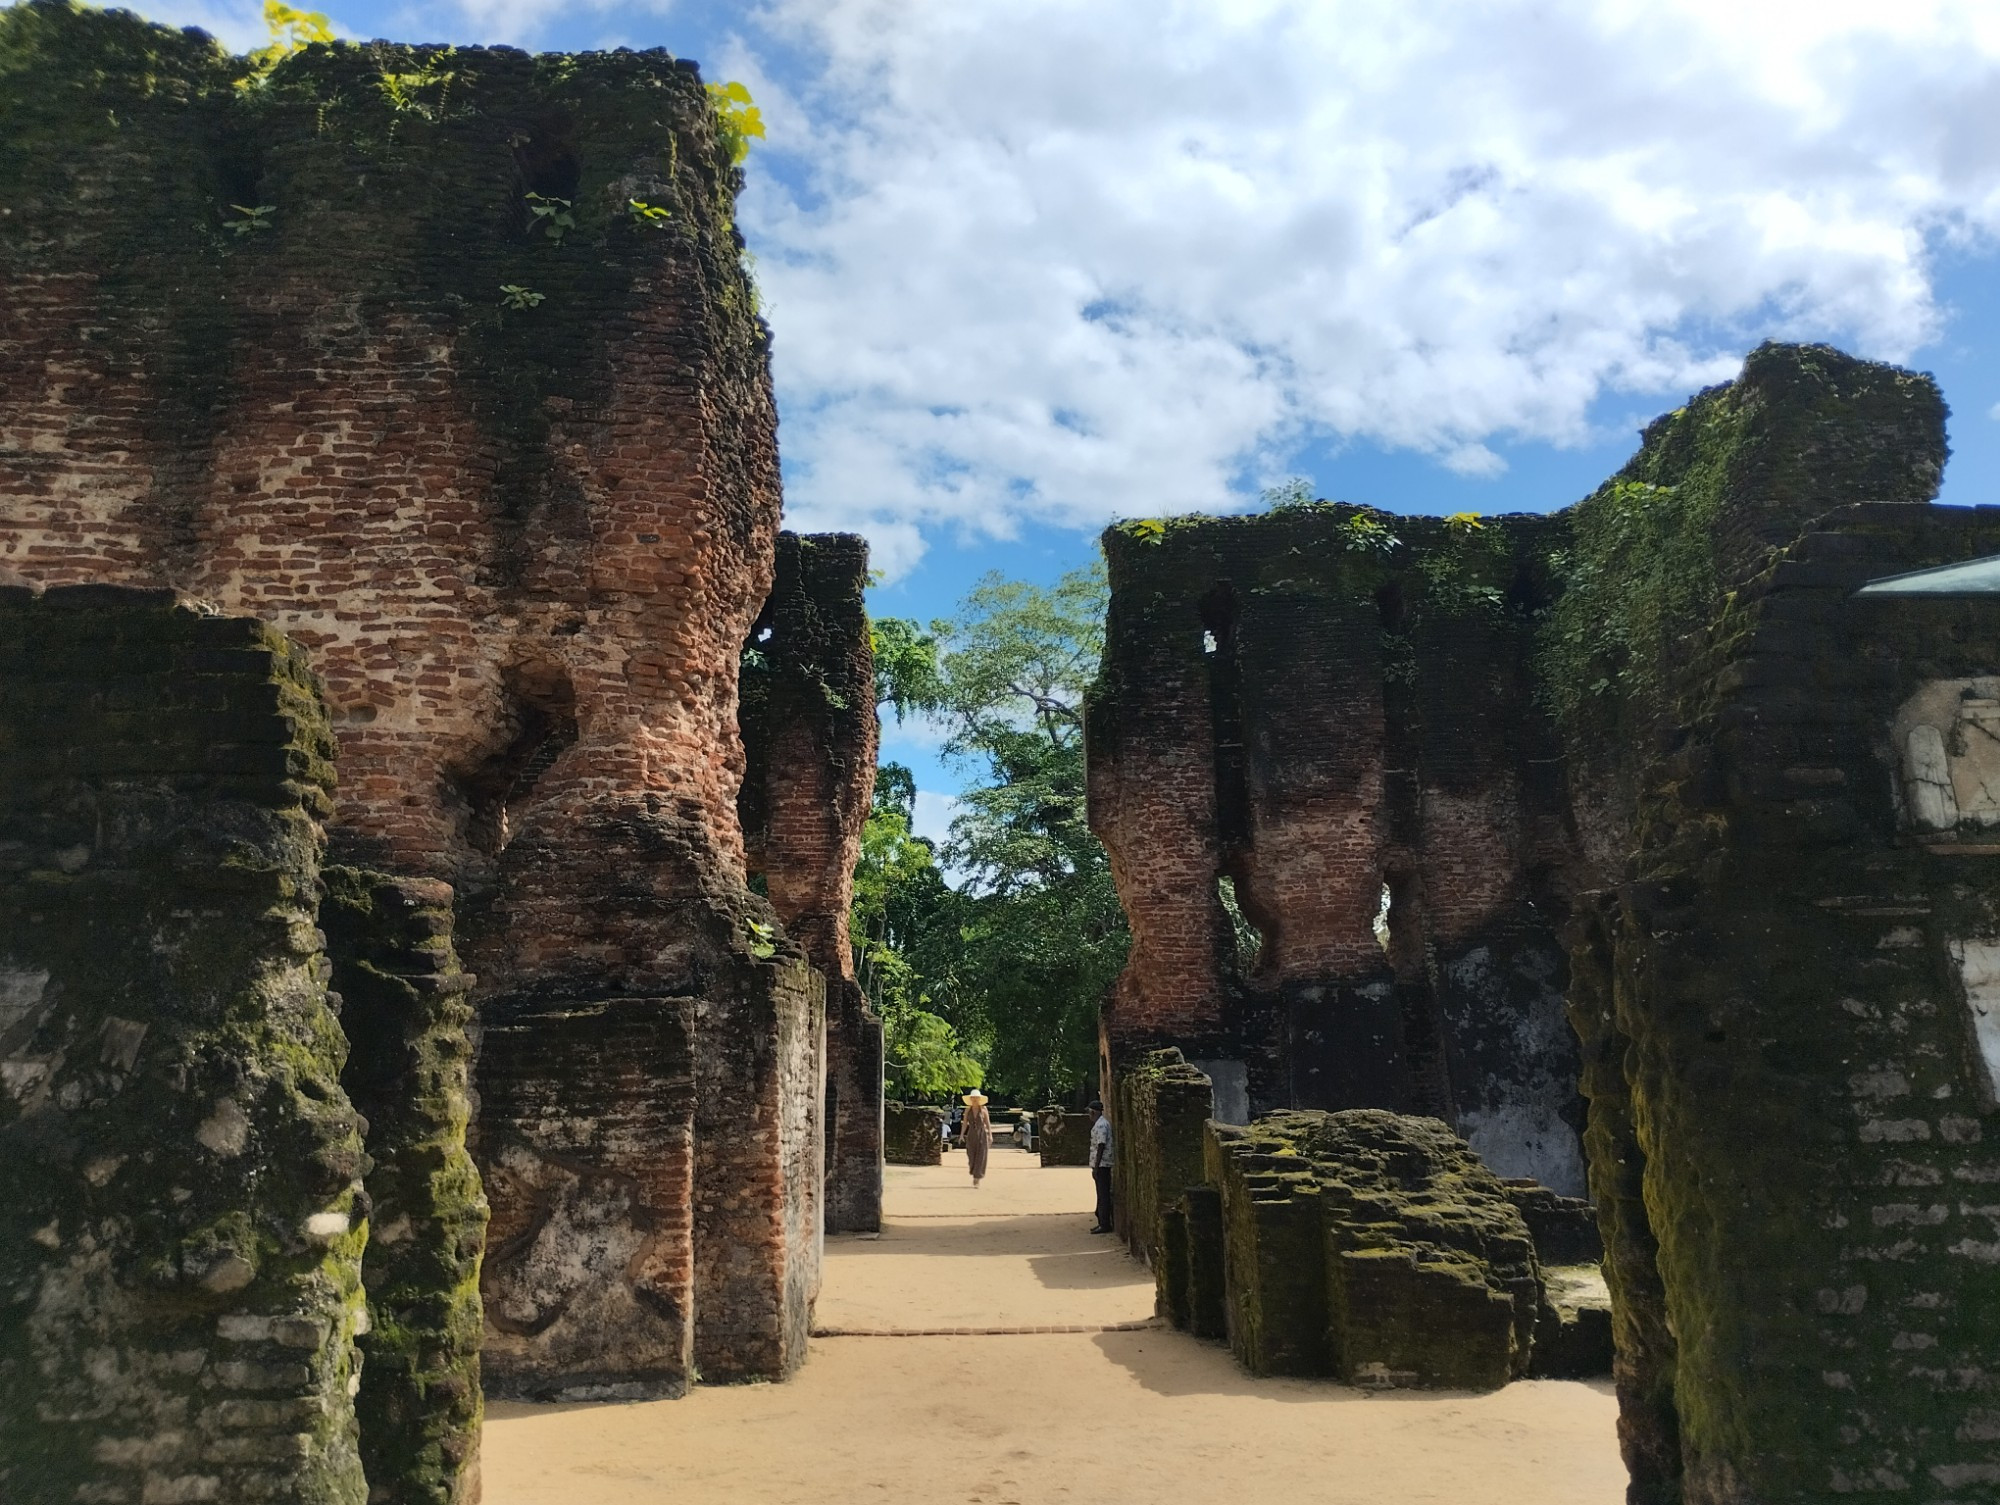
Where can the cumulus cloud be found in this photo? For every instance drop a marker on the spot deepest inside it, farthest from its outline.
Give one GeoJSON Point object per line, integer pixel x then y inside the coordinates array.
{"type": "Point", "coordinates": [1061, 261]}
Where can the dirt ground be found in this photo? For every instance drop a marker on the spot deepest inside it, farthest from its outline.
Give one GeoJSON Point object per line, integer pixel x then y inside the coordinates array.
{"type": "Point", "coordinates": [1031, 1419]}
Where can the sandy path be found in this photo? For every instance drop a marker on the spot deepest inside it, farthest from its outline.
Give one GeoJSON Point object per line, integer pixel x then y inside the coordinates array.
{"type": "Point", "coordinates": [1100, 1416]}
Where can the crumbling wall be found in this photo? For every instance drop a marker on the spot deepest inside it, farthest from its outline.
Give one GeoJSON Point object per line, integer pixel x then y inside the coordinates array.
{"type": "Point", "coordinates": [1352, 708]}
{"type": "Point", "coordinates": [404, 1012]}
{"type": "Point", "coordinates": [517, 492]}
{"type": "Point", "coordinates": [1754, 801]}
{"type": "Point", "coordinates": [181, 1205]}
{"type": "Point", "coordinates": [809, 734]}
{"type": "Point", "coordinates": [1373, 1248]}
{"type": "Point", "coordinates": [1792, 987]}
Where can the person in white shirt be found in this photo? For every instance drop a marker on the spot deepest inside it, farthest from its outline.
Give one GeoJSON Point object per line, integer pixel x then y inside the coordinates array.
{"type": "Point", "coordinates": [1100, 1164]}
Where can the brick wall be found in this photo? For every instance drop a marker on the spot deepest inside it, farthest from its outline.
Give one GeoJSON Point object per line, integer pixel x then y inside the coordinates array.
{"type": "Point", "coordinates": [809, 731]}
{"type": "Point", "coordinates": [1791, 1061]}
{"type": "Point", "coordinates": [181, 1208]}
{"type": "Point", "coordinates": [1656, 753]}
{"type": "Point", "coordinates": [523, 544]}
{"type": "Point", "coordinates": [1341, 712]}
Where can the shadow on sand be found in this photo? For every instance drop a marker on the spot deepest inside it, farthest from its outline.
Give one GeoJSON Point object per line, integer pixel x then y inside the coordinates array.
{"type": "Point", "coordinates": [1167, 1362]}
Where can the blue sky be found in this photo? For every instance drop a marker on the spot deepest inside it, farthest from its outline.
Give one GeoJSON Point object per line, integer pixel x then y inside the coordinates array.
{"type": "Point", "coordinates": [1033, 265]}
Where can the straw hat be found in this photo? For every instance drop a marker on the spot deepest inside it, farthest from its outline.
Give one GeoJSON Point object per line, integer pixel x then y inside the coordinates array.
{"type": "Point", "coordinates": [975, 1099]}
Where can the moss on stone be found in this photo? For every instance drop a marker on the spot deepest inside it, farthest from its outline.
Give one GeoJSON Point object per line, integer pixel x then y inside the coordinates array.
{"type": "Point", "coordinates": [180, 1213]}
{"type": "Point", "coordinates": [405, 1012]}
{"type": "Point", "coordinates": [1371, 1247]}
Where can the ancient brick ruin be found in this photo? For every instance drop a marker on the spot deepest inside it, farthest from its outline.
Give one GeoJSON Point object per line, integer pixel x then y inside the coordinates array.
{"type": "Point", "coordinates": [1659, 764]}
{"type": "Point", "coordinates": [511, 496]}
{"type": "Point", "coordinates": [809, 733]}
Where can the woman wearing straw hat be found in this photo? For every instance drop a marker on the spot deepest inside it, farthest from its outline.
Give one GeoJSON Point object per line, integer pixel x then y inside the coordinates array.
{"type": "Point", "coordinates": [977, 1134]}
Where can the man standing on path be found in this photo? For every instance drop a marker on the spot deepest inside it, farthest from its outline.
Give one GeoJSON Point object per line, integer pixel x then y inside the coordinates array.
{"type": "Point", "coordinates": [1100, 1164]}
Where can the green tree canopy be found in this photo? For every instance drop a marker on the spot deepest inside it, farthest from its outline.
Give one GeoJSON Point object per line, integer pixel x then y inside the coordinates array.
{"type": "Point", "coordinates": [1015, 952]}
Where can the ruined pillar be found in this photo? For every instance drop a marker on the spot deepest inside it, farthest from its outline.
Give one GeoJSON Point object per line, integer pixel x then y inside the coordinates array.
{"type": "Point", "coordinates": [181, 1208]}
{"type": "Point", "coordinates": [512, 478]}
{"type": "Point", "coordinates": [809, 732]}
{"type": "Point", "coordinates": [404, 1011]}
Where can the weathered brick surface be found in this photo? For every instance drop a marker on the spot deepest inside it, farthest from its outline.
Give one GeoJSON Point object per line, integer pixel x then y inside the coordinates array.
{"type": "Point", "coordinates": [404, 1011]}
{"type": "Point", "coordinates": [1293, 703]}
{"type": "Point", "coordinates": [1763, 829]}
{"type": "Point", "coordinates": [524, 545]}
{"type": "Point", "coordinates": [1786, 1080]}
{"type": "Point", "coordinates": [181, 1208]}
{"type": "Point", "coordinates": [809, 732]}
{"type": "Point", "coordinates": [1163, 1104]}
{"type": "Point", "coordinates": [912, 1134]}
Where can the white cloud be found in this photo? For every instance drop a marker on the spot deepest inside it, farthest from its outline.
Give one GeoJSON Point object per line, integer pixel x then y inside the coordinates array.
{"type": "Point", "coordinates": [915, 736]}
{"type": "Point", "coordinates": [1045, 259]}
{"type": "Point", "coordinates": [933, 815]}
{"type": "Point", "coordinates": [1064, 260]}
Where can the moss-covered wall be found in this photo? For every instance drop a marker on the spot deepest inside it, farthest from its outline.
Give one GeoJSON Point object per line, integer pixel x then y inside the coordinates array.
{"type": "Point", "coordinates": [809, 736]}
{"type": "Point", "coordinates": [1162, 1105]}
{"type": "Point", "coordinates": [404, 1011]}
{"type": "Point", "coordinates": [181, 1205]}
{"type": "Point", "coordinates": [1756, 808]}
{"type": "Point", "coordinates": [1799, 1094]}
{"type": "Point", "coordinates": [1373, 1248]}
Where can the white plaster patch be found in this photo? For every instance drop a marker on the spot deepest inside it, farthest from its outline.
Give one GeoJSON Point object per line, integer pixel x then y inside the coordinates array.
{"type": "Point", "coordinates": [327, 1225]}
{"type": "Point", "coordinates": [1927, 779]}
{"type": "Point", "coordinates": [1978, 965]}
{"type": "Point", "coordinates": [1947, 739]}
{"type": "Point", "coordinates": [1518, 1141]}
{"type": "Point", "coordinates": [21, 990]}
{"type": "Point", "coordinates": [24, 1080]}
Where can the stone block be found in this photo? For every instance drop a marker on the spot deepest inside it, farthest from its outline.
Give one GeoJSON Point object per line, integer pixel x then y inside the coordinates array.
{"type": "Point", "coordinates": [181, 1207]}
{"type": "Point", "coordinates": [1162, 1104]}
{"type": "Point", "coordinates": [1063, 1138]}
{"type": "Point", "coordinates": [1373, 1248]}
{"type": "Point", "coordinates": [913, 1134]}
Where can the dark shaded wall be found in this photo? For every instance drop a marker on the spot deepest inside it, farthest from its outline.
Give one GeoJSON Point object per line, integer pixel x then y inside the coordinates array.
{"type": "Point", "coordinates": [809, 738]}
{"type": "Point", "coordinates": [181, 1206]}
{"type": "Point", "coordinates": [524, 545]}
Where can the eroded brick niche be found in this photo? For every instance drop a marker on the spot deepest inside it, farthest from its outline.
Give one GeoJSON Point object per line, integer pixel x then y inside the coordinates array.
{"type": "Point", "coordinates": [1732, 822]}
{"type": "Point", "coordinates": [517, 496]}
